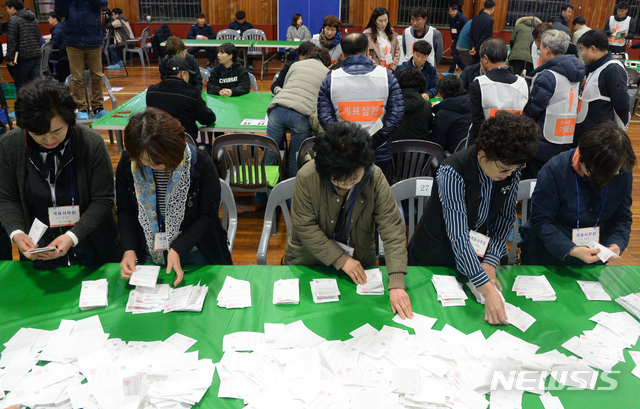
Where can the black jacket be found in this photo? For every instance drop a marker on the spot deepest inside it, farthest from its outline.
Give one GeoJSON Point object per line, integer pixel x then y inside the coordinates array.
{"type": "Point", "coordinates": [205, 30]}
{"type": "Point", "coordinates": [236, 78]}
{"type": "Point", "coordinates": [162, 33]}
{"type": "Point", "coordinates": [82, 21]}
{"type": "Point", "coordinates": [418, 119]}
{"type": "Point", "coordinates": [279, 82]}
{"type": "Point", "coordinates": [452, 121]}
{"type": "Point", "coordinates": [23, 36]}
{"type": "Point", "coordinates": [194, 79]}
{"type": "Point", "coordinates": [201, 226]}
{"type": "Point", "coordinates": [430, 244]}
{"type": "Point", "coordinates": [481, 29]}
{"type": "Point", "coordinates": [469, 74]}
{"type": "Point", "coordinates": [182, 101]}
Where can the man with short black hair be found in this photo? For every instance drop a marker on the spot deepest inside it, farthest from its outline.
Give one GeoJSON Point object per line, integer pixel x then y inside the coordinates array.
{"type": "Point", "coordinates": [580, 27]}
{"type": "Point", "coordinates": [498, 89]}
{"type": "Point", "coordinates": [419, 30]}
{"type": "Point", "coordinates": [565, 14]}
{"type": "Point", "coordinates": [620, 28]}
{"type": "Point", "coordinates": [23, 43]}
{"type": "Point", "coordinates": [121, 33]}
{"type": "Point", "coordinates": [182, 101]}
{"type": "Point", "coordinates": [59, 54]}
{"type": "Point", "coordinates": [604, 94]}
{"type": "Point", "coordinates": [481, 29]}
{"type": "Point", "coordinates": [241, 25]}
{"type": "Point", "coordinates": [457, 21]}
{"type": "Point", "coordinates": [363, 93]}
{"type": "Point", "coordinates": [202, 31]}
{"type": "Point", "coordinates": [420, 60]}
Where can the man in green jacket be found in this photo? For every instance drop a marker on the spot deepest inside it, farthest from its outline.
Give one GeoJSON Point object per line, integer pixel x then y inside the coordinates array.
{"type": "Point", "coordinates": [337, 201]}
{"type": "Point", "coordinates": [521, 41]}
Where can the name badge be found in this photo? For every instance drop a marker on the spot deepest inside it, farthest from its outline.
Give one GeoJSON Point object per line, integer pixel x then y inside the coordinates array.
{"type": "Point", "coordinates": [479, 242]}
{"type": "Point", "coordinates": [161, 242]}
{"type": "Point", "coordinates": [582, 237]}
{"type": "Point", "coordinates": [347, 250]}
{"type": "Point", "coordinates": [388, 59]}
{"type": "Point", "coordinates": [454, 31]}
{"type": "Point", "coordinates": [63, 216]}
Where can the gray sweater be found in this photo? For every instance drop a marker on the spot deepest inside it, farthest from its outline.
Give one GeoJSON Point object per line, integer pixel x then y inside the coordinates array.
{"type": "Point", "coordinates": [94, 176]}
{"type": "Point", "coordinates": [302, 33]}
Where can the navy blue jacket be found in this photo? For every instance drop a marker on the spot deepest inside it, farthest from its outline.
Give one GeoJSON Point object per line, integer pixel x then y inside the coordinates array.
{"type": "Point", "coordinates": [57, 35]}
{"type": "Point", "coordinates": [429, 72]}
{"type": "Point", "coordinates": [234, 25]}
{"type": "Point", "coordinates": [545, 84]}
{"type": "Point", "coordinates": [83, 25]}
{"type": "Point", "coordinates": [457, 23]}
{"type": "Point", "coordinates": [452, 122]}
{"type": "Point", "coordinates": [547, 234]}
{"type": "Point", "coordinates": [394, 110]}
{"type": "Point", "coordinates": [481, 29]}
{"type": "Point", "coordinates": [205, 30]}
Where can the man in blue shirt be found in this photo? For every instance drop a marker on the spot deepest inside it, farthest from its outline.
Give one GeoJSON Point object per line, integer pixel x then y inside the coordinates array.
{"type": "Point", "coordinates": [241, 25]}
{"type": "Point", "coordinates": [202, 31]}
{"type": "Point", "coordinates": [419, 60]}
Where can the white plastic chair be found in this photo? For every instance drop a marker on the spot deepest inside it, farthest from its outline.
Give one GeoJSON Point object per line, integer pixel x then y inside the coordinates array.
{"type": "Point", "coordinates": [227, 34]}
{"type": "Point", "coordinates": [44, 60]}
{"type": "Point", "coordinates": [258, 35]}
{"type": "Point", "coordinates": [142, 51]}
{"type": "Point", "coordinates": [229, 213]}
{"type": "Point", "coordinates": [279, 196]}
{"type": "Point", "coordinates": [205, 76]}
{"type": "Point", "coordinates": [254, 82]}
{"type": "Point", "coordinates": [525, 190]}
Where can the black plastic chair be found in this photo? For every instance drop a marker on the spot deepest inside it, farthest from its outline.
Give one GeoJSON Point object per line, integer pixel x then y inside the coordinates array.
{"type": "Point", "coordinates": [412, 158]}
{"type": "Point", "coordinates": [306, 148]}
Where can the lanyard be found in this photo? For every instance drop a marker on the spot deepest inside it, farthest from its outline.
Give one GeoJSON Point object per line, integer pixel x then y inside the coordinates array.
{"type": "Point", "coordinates": [584, 86]}
{"type": "Point", "coordinates": [493, 188]}
{"type": "Point", "coordinates": [601, 209]}
{"type": "Point", "coordinates": [73, 199]}
{"type": "Point", "coordinates": [353, 200]}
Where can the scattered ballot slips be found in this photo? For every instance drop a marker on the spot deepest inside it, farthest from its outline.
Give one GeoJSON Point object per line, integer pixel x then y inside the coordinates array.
{"type": "Point", "coordinates": [374, 284]}
{"type": "Point", "coordinates": [325, 290]}
{"type": "Point", "coordinates": [286, 291]}
{"type": "Point", "coordinates": [94, 294]}
{"type": "Point", "coordinates": [450, 292]}
{"type": "Point", "coordinates": [164, 298]}
{"type": "Point", "coordinates": [235, 294]}
{"type": "Point", "coordinates": [631, 303]}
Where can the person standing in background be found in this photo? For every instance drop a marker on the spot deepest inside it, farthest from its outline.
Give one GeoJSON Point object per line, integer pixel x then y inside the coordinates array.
{"type": "Point", "coordinates": [481, 29]}
{"type": "Point", "coordinates": [457, 21]}
{"type": "Point", "coordinates": [580, 27]}
{"type": "Point", "coordinates": [619, 28]}
{"type": "Point", "coordinates": [419, 30]}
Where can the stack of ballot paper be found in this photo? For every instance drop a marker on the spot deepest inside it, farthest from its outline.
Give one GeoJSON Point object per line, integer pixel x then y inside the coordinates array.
{"type": "Point", "coordinates": [593, 290]}
{"type": "Point", "coordinates": [518, 318]}
{"type": "Point", "coordinates": [535, 287]}
{"type": "Point", "coordinates": [450, 292]}
{"type": "Point", "coordinates": [83, 368]}
{"type": "Point", "coordinates": [603, 347]}
{"type": "Point", "coordinates": [325, 290]}
{"type": "Point", "coordinates": [374, 284]}
{"type": "Point", "coordinates": [286, 291]}
{"type": "Point", "coordinates": [235, 294]}
{"type": "Point", "coordinates": [145, 276]}
{"type": "Point", "coordinates": [631, 303]}
{"type": "Point", "coordinates": [163, 298]}
{"type": "Point", "coordinates": [94, 294]}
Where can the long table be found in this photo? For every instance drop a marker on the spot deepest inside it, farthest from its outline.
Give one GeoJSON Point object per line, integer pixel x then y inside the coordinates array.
{"type": "Point", "coordinates": [37, 299]}
{"type": "Point", "coordinates": [230, 112]}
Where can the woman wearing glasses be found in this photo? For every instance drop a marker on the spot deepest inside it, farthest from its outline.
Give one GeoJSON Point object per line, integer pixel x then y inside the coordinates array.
{"type": "Point", "coordinates": [582, 197]}
{"type": "Point", "coordinates": [472, 206]}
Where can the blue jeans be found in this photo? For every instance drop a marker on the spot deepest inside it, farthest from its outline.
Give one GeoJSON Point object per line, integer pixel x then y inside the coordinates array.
{"type": "Point", "coordinates": [115, 53]}
{"type": "Point", "coordinates": [281, 119]}
{"type": "Point", "coordinates": [25, 71]}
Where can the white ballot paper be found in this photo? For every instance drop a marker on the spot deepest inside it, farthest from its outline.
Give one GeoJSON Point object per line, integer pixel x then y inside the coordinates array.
{"type": "Point", "coordinates": [94, 294]}
{"type": "Point", "coordinates": [518, 318]}
{"type": "Point", "coordinates": [631, 302]}
{"type": "Point", "coordinates": [478, 294]}
{"type": "Point", "coordinates": [37, 230]}
{"type": "Point", "coordinates": [535, 287]}
{"type": "Point", "coordinates": [286, 291]}
{"type": "Point", "coordinates": [374, 284]}
{"type": "Point", "coordinates": [235, 294]}
{"type": "Point", "coordinates": [605, 253]}
{"type": "Point", "coordinates": [593, 290]}
{"type": "Point", "coordinates": [550, 402]}
{"type": "Point", "coordinates": [145, 276]}
{"type": "Point", "coordinates": [325, 290]}
{"type": "Point", "coordinates": [450, 292]}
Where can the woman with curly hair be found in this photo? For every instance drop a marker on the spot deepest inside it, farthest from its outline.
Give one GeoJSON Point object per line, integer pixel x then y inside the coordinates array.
{"type": "Point", "coordinates": [330, 36]}
{"type": "Point", "coordinates": [472, 207]}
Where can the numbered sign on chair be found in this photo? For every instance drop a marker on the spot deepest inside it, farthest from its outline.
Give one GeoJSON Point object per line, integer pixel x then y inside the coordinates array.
{"type": "Point", "coordinates": [423, 187]}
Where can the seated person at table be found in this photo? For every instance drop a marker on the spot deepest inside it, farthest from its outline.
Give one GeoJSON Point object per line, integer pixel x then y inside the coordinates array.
{"type": "Point", "coordinates": [297, 32]}
{"type": "Point", "coordinates": [175, 48]}
{"type": "Point", "coordinates": [584, 190]}
{"type": "Point", "coordinates": [418, 119]}
{"type": "Point", "coordinates": [343, 182]}
{"type": "Point", "coordinates": [202, 31]}
{"type": "Point", "coordinates": [229, 78]}
{"type": "Point", "coordinates": [278, 83]}
{"type": "Point", "coordinates": [452, 114]}
{"type": "Point", "coordinates": [330, 36]}
{"type": "Point", "coordinates": [241, 25]}
{"type": "Point", "coordinates": [50, 166]}
{"type": "Point", "coordinates": [473, 205]}
{"type": "Point", "coordinates": [182, 101]}
{"type": "Point", "coordinates": [177, 188]}
{"type": "Point", "coordinates": [421, 51]}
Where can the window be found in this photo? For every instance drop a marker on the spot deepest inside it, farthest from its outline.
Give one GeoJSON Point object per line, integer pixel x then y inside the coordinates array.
{"type": "Point", "coordinates": [438, 12]}
{"type": "Point", "coordinates": [42, 9]}
{"type": "Point", "coordinates": [171, 10]}
{"type": "Point", "coordinates": [543, 9]}
{"type": "Point", "coordinates": [344, 11]}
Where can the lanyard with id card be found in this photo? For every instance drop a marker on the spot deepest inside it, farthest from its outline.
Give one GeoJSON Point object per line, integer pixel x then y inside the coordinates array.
{"type": "Point", "coordinates": [586, 235]}
{"type": "Point", "coordinates": [62, 216]}
{"type": "Point", "coordinates": [479, 241]}
{"type": "Point", "coordinates": [346, 248]}
{"type": "Point", "coordinates": [161, 241]}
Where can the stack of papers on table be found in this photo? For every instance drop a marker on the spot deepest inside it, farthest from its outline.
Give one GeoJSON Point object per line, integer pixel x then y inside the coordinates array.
{"type": "Point", "coordinates": [450, 292]}
{"type": "Point", "coordinates": [374, 284]}
{"type": "Point", "coordinates": [603, 347]}
{"type": "Point", "coordinates": [593, 290]}
{"type": "Point", "coordinates": [94, 294]}
{"type": "Point", "coordinates": [535, 287]}
{"type": "Point", "coordinates": [145, 276]}
{"type": "Point", "coordinates": [631, 303]}
{"type": "Point", "coordinates": [518, 318]}
{"type": "Point", "coordinates": [235, 294]}
{"type": "Point", "coordinates": [163, 297]}
{"type": "Point", "coordinates": [325, 290]}
{"type": "Point", "coordinates": [286, 291]}
{"type": "Point", "coordinates": [86, 369]}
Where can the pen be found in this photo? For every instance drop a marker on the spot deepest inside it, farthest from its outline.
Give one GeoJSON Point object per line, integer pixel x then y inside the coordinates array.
{"type": "Point", "coordinates": [119, 116]}
{"type": "Point", "coordinates": [125, 112]}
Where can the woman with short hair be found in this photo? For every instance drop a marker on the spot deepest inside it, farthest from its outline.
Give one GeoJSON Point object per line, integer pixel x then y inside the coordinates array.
{"type": "Point", "coordinates": [168, 196]}
{"type": "Point", "coordinates": [330, 36]}
{"type": "Point", "coordinates": [297, 32]}
{"type": "Point", "coordinates": [60, 173]}
{"type": "Point", "coordinates": [582, 196]}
